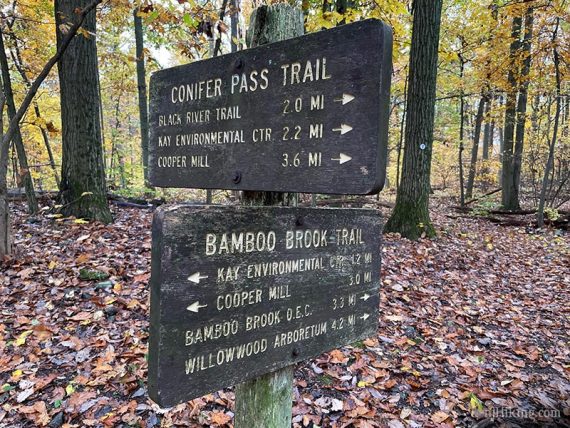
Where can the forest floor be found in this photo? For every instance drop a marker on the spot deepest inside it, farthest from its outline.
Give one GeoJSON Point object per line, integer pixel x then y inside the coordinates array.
{"type": "Point", "coordinates": [473, 320]}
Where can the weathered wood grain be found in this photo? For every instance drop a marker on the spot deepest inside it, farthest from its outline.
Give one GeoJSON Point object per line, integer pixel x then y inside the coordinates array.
{"type": "Point", "coordinates": [331, 303]}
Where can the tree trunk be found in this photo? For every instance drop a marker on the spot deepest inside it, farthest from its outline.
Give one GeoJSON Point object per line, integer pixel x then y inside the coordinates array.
{"type": "Point", "coordinates": [401, 137]}
{"type": "Point", "coordinates": [234, 23]}
{"type": "Point", "coordinates": [461, 132]}
{"type": "Point", "coordinates": [411, 214]}
{"type": "Point", "coordinates": [521, 108]}
{"type": "Point", "coordinates": [475, 146]}
{"type": "Point", "coordinates": [18, 62]}
{"type": "Point", "coordinates": [25, 174]}
{"type": "Point", "coordinates": [4, 209]}
{"type": "Point", "coordinates": [507, 172]}
{"type": "Point", "coordinates": [552, 145]}
{"type": "Point", "coordinates": [267, 400]}
{"type": "Point", "coordinates": [141, 84]}
{"type": "Point", "coordinates": [487, 131]}
{"type": "Point", "coordinates": [83, 192]}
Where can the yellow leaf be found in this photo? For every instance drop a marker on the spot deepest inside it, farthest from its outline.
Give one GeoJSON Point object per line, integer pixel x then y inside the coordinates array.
{"type": "Point", "coordinates": [22, 338]}
{"type": "Point", "coordinates": [80, 221]}
{"type": "Point", "coordinates": [86, 194]}
{"type": "Point", "coordinates": [17, 373]}
{"type": "Point", "coordinates": [475, 403]}
{"type": "Point", "coordinates": [52, 264]}
{"type": "Point", "coordinates": [69, 389]}
{"type": "Point", "coordinates": [362, 384]}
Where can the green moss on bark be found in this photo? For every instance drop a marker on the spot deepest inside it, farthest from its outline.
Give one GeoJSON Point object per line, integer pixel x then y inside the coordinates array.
{"type": "Point", "coordinates": [411, 220]}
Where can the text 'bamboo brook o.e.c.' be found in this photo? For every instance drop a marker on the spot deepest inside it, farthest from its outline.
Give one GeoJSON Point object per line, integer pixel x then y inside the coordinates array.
{"type": "Point", "coordinates": [309, 114]}
{"type": "Point", "coordinates": [237, 292]}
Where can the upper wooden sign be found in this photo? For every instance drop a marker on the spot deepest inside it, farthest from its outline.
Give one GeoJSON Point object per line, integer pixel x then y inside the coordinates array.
{"type": "Point", "coordinates": [237, 292]}
{"type": "Point", "coordinates": [309, 114]}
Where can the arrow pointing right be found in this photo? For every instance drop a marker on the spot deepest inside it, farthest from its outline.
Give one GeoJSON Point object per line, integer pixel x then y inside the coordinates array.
{"type": "Point", "coordinates": [365, 297]}
{"type": "Point", "coordinates": [364, 317]}
{"type": "Point", "coordinates": [342, 158]}
{"type": "Point", "coordinates": [343, 129]}
{"type": "Point", "coordinates": [345, 99]}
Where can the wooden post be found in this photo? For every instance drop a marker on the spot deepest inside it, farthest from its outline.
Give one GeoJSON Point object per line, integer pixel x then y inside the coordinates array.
{"type": "Point", "coordinates": [267, 400]}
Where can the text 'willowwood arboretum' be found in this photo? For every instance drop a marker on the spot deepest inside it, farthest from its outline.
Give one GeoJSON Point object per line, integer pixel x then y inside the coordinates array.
{"type": "Point", "coordinates": [237, 292]}
{"type": "Point", "coordinates": [309, 114]}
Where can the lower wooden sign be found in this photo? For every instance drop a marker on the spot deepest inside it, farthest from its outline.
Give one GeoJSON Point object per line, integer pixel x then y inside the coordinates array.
{"type": "Point", "coordinates": [237, 292]}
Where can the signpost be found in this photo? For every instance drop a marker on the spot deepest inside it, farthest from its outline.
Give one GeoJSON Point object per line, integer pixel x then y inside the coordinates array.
{"type": "Point", "coordinates": [237, 292]}
{"type": "Point", "coordinates": [308, 114]}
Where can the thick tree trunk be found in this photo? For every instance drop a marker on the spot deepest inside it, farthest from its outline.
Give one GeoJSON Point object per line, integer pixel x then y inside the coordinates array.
{"type": "Point", "coordinates": [507, 172]}
{"type": "Point", "coordinates": [411, 215]}
{"type": "Point", "coordinates": [141, 84]}
{"type": "Point", "coordinates": [267, 400]}
{"type": "Point", "coordinates": [25, 173]}
{"type": "Point", "coordinates": [521, 108]}
{"type": "Point", "coordinates": [475, 146]}
{"type": "Point", "coordinates": [83, 192]}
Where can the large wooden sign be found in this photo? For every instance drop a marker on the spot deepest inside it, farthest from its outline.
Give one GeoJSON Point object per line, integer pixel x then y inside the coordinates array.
{"type": "Point", "coordinates": [239, 292]}
{"type": "Point", "coordinates": [309, 114]}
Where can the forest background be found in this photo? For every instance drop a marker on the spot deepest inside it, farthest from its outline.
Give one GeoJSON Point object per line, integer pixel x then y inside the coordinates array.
{"type": "Point", "coordinates": [471, 321]}
{"type": "Point", "coordinates": [487, 67]}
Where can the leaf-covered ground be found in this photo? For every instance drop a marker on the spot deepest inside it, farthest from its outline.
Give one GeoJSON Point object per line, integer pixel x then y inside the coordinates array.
{"type": "Point", "coordinates": [476, 319]}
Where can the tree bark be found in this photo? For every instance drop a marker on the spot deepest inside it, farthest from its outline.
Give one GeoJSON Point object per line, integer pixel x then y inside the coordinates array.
{"type": "Point", "coordinates": [141, 85]}
{"type": "Point", "coordinates": [552, 145]}
{"type": "Point", "coordinates": [234, 24]}
{"type": "Point", "coordinates": [5, 234]}
{"type": "Point", "coordinates": [25, 173]}
{"type": "Point", "coordinates": [411, 214]}
{"type": "Point", "coordinates": [521, 108]}
{"type": "Point", "coordinates": [475, 146]}
{"type": "Point", "coordinates": [461, 130]}
{"type": "Point", "coordinates": [267, 400]}
{"type": "Point", "coordinates": [487, 131]}
{"type": "Point", "coordinates": [401, 137]}
{"type": "Point", "coordinates": [83, 192]}
{"type": "Point", "coordinates": [507, 172]}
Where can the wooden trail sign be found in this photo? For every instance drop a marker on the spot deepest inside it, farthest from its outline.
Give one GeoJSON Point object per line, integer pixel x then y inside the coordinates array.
{"type": "Point", "coordinates": [309, 114]}
{"type": "Point", "coordinates": [237, 292]}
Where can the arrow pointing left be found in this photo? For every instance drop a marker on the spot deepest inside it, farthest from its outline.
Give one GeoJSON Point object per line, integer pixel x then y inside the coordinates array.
{"type": "Point", "coordinates": [196, 277]}
{"type": "Point", "coordinates": [195, 307]}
